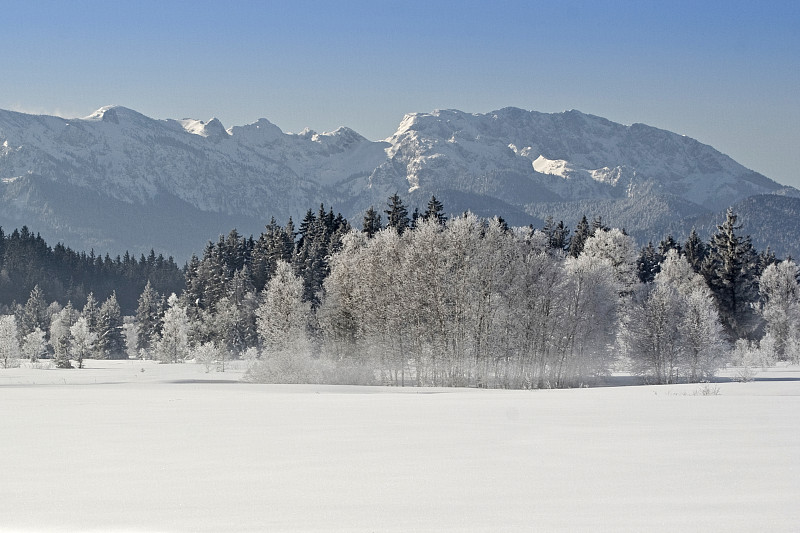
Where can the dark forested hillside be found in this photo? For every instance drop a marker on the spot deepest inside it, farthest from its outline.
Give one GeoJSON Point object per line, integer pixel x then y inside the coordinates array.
{"type": "Point", "coordinates": [63, 274]}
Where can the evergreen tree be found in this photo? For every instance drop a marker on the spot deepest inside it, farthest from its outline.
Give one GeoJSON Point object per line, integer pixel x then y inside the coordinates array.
{"type": "Point", "coordinates": [34, 313]}
{"type": "Point", "coordinates": [557, 234]}
{"type": "Point", "coordinates": [730, 270]}
{"type": "Point", "coordinates": [647, 266]}
{"type": "Point", "coordinates": [695, 251]}
{"type": "Point", "coordinates": [148, 317]}
{"type": "Point", "coordinates": [396, 214]}
{"type": "Point", "coordinates": [110, 340]}
{"type": "Point", "coordinates": [60, 336]}
{"type": "Point", "coordinates": [91, 312]}
{"type": "Point", "coordinates": [597, 224]}
{"type": "Point", "coordinates": [435, 211]}
{"type": "Point", "coordinates": [306, 226]}
{"type": "Point", "coordinates": [668, 243]}
{"type": "Point", "coordinates": [582, 232]}
{"type": "Point", "coordinates": [372, 222]}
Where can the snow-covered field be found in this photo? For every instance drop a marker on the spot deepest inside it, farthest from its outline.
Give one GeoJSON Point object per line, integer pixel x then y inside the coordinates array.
{"type": "Point", "coordinates": [136, 446]}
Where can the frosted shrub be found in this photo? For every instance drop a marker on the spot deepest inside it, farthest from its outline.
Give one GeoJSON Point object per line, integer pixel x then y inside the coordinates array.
{"type": "Point", "coordinates": [744, 356]}
{"type": "Point", "coordinates": [766, 353]}
{"type": "Point", "coordinates": [208, 355]}
{"type": "Point", "coordinates": [288, 367]}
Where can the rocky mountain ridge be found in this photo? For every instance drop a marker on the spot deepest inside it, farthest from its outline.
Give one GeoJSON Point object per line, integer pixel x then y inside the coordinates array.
{"type": "Point", "coordinates": [119, 180]}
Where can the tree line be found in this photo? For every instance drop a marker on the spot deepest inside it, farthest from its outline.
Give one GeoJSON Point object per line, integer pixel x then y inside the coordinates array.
{"type": "Point", "coordinates": [64, 275]}
{"type": "Point", "coordinates": [427, 299]}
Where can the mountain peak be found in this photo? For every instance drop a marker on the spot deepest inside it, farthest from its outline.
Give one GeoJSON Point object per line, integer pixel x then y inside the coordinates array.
{"type": "Point", "coordinates": [113, 114]}
{"type": "Point", "coordinates": [212, 129]}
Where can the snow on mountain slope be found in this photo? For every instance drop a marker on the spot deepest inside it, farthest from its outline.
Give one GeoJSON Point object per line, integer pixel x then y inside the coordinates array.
{"type": "Point", "coordinates": [592, 156]}
{"type": "Point", "coordinates": [508, 162]}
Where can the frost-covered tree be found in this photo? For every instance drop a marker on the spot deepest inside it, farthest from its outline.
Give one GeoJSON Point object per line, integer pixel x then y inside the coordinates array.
{"type": "Point", "coordinates": [9, 343]}
{"type": "Point", "coordinates": [590, 319]}
{"type": "Point", "coordinates": [620, 250]}
{"type": "Point", "coordinates": [208, 354]}
{"type": "Point", "coordinates": [677, 272]}
{"type": "Point", "coordinates": [780, 307]}
{"type": "Point", "coordinates": [339, 312]}
{"type": "Point", "coordinates": [148, 317]}
{"type": "Point", "coordinates": [34, 313]}
{"type": "Point", "coordinates": [34, 345]}
{"type": "Point", "coordinates": [672, 329]}
{"type": "Point", "coordinates": [702, 336]}
{"type": "Point", "coordinates": [282, 319]}
{"type": "Point", "coordinates": [110, 342]}
{"type": "Point", "coordinates": [60, 336]}
{"type": "Point", "coordinates": [173, 346]}
{"type": "Point", "coordinates": [282, 316]}
{"type": "Point", "coordinates": [83, 340]}
{"type": "Point", "coordinates": [650, 335]}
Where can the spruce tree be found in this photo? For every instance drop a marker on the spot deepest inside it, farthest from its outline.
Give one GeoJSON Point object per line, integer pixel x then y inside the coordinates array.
{"type": "Point", "coordinates": [695, 251]}
{"type": "Point", "coordinates": [557, 234]}
{"type": "Point", "coordinates": [582, 232]}
{"type": "Point", "coordinates": [435, 211]}
{"type": "Point", "coordinates": [668, 243]}
{"type": "Point", "coordinates": [372, 222]}
{"type": "Point", "coordinates": [730, 269]}
{"type": "Point", "coordinates": [110, 340]}
{"type": "Point", "coordinates": [396, 214]}
{"type": "Point", "coordinates": [148, 317]}
{"type": "Point", "coordinates": [647, 265]}
{"type": "Point", "coordinates": [91, 312]}
{"type": "Point", "coordinates": [34, 313]}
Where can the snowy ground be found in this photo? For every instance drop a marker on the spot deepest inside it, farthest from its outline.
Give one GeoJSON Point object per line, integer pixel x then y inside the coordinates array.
{"type": "Point", "coordinates": [136, 446]}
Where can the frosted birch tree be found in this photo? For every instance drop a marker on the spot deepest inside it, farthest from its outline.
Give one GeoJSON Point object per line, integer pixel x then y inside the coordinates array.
{"type": "Point", "coordinates": [590, 319]}
{"type": "Point", "coordinates": [620, 250]}
{"type": "Point", "coordinates": [780, 307]}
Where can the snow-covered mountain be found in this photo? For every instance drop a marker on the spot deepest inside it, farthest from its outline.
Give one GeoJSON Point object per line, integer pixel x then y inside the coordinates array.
{"type": "Point", "coordinates": [119, 180]}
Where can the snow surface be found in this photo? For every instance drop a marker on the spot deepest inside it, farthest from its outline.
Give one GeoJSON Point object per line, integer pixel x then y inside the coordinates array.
{"type": "Point", "coordinates": [136, 446]}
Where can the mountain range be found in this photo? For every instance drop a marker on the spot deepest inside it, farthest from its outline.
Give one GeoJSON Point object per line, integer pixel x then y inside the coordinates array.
{"type": "Point", "coordinates": [118, 180]}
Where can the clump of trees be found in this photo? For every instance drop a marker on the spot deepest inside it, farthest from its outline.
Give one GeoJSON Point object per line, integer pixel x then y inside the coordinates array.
{"type": "Point", "coordinates": [432, 300]}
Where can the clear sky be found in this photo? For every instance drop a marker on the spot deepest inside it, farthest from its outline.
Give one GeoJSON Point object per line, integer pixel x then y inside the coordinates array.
{"type": "Point", "coordinates": [726, 73]}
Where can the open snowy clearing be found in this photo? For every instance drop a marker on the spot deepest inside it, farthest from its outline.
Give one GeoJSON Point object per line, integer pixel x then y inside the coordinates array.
{"type": "Point", "coordinates": [136, 446]}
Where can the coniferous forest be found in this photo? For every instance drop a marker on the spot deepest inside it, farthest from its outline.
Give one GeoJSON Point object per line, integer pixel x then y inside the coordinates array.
{"type": "Point", "coordinates": [413, 299]}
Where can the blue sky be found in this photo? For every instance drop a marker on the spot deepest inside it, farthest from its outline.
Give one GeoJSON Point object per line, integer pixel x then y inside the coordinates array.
{"type": "Point", "coordinates": [725, 73]}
